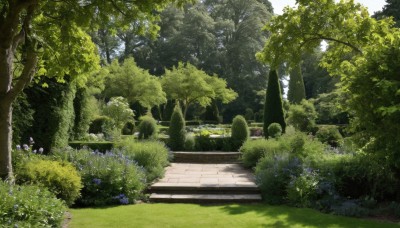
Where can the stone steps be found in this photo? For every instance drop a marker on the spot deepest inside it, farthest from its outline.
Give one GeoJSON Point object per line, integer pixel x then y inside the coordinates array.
{"type": "Point", "coordinates": [205, 183]}
{"type": "Point", "coordinates": [207, 157]}
{"type": "Point", "coordinates": [205, 198]}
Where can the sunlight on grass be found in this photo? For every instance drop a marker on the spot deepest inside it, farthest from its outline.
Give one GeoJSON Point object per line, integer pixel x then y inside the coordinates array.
{"type": "Point", "coordinates": [192, 215]}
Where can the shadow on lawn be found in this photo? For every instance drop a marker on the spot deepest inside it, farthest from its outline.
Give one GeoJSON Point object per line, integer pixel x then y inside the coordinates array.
{"type": "Point", "coordinates": [284, 216]}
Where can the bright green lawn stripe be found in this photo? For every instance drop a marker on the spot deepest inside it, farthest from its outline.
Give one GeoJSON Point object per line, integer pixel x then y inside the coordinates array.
{"type": "Point", "coordinates": [196, 216]}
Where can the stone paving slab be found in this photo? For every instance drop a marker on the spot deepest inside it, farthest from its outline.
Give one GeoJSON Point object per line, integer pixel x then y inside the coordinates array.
{"type": "Point", "coordinates": [197, 175]}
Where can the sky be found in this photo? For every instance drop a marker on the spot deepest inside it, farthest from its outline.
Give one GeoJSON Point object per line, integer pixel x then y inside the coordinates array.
{"type": "Point", "coordinates": [372, 5]}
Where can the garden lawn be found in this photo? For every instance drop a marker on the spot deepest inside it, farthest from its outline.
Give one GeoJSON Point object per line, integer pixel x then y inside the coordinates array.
{"type": "Point", "coordinates": [192, 215]}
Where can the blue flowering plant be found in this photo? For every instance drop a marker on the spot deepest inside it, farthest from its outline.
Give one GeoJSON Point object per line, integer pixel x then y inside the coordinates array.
{"type": "Point", "coordinates": [109, 178]}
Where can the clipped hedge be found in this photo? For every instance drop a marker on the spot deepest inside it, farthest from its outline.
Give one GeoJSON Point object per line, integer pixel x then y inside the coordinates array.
{"type": "Point", "coordinates": [97, 146]}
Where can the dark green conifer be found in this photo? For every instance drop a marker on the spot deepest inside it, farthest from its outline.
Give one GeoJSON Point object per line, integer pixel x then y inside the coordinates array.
{"type": "Point", "coordinates": [177, 130]}
{"type": "Point", "coordinates": [273, 110]}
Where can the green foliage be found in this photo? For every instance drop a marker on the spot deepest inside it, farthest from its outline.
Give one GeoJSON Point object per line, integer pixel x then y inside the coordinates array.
{"type": "Point", "coordinates": [274, 130]}
{"type": "Point", "coordinates": [22, 117]}
{"type": "Point", "coordinates": [189, 85]}
{"type": "Point", "coordinates": [62, 179]}
{"type": "Point", "coordinates": [273, 175]}
{"type": "Point", "coordinates": [176, 130]}
{"type": "Point", "coordinates": [133, 83]}
{"type": "Point", "coordinates": [152, 156]}
{"type": "Point", "coordinates": [205, 143]}
{"type": "Point", "coordinates": [297, 91]}
{"type": "Point", "coordinates": [190, 142]}
{"type": "Point", "coordinates": [329, 107]}
{"type": "Point", "coordinates": [97, 125]}
{"type": "Point", "coordinates": [96, 146]}
{"type": "Point", "coordinates": [147, 128]}
{"type": "Point", "coordinates": [29, 206]}
{"type": "Point", "coordinates": [129, 128]}
{"type": "Point", "coordinates": [302, 191]}
{"type": "Point", "coordinates": [329, 134]}
{"type": "Point", "coordinates": [253, 150]}
{"type": "Point", "coordinates": [273, 110]}
{"type": "Point", "coordinates": [372, 91]}
{"type": "Point", "coordinates": [54, 118]}
{"type": "Point", "coordinates": [117, 109]}
{"type": "Point", "coordinates": [82, 114]}
{"type": "Point", "coordinates": [302, 116]}
{"type": "Point", "coordinates": [107, 178]}
{"type": "Point", "coordinates": [240, 132]}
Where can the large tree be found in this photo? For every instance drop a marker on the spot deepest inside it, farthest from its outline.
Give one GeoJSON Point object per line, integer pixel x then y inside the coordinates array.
{"type": "Point", "coordinates": [189, 85]}
{"type": "Point", "coordinates": [363, 51]}
{"type": "Point", "coordinates": [135, 84]}
{"type": "Point", "coordinates": [49, 38]}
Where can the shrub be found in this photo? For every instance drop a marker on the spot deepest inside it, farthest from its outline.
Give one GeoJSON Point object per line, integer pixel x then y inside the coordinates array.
{"type": "Point", "coordinates": [274, 130]}
{"type": "Point", "coordinates": [98, 124]}
{"type": "Point", "coordinates": [329, 134]}
{"type": "Point", "coordinates": [190, 142]}
{"type": "Point", "coordinates": [152, 156]}
{"type": "Point", "coordinates": [62, 179]}
{"type": "Point", "coordinates": [118, 110]}
{"type": "Point", "coordinates": [303, 116]}
{"type": "Point", "coordinates": [110, 178]}
{"type": "Point", "coordinates": [176, 130]}
{"type": "Point", "coordinates": [147, 128]}
{"type": "Point", "coordinates": [273, 174]}
{"type": "Point", "coordinates": [302, 190]}
{"type": "Point", "coordinates": [29, 206]}
{"type": "Point", "coordinates": [253, 150]}
{"type": "Point", "coordinates": [129, 128]}
{"type": "Point", "coordinates": [240, 132]}
{"type": "Point", "coordinates": [296, 91]}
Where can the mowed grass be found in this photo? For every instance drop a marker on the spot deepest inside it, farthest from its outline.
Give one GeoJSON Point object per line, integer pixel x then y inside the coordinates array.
{"type": "Point", "coordinates": [196, 216]}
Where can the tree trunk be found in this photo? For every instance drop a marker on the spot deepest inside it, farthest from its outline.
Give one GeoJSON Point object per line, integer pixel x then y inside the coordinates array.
{"type": "Point", "coordinates": [5, 139]}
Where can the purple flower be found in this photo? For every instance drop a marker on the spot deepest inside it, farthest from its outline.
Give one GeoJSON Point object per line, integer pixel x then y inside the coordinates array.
{"type": "Point", "coordinates": [97, 181]}
{"type": "Point", "coordinates": [34, 151]}
{"type": "Point", "coordinates": [31, 141]}
{"type": "Point", "coordinates": [18, 147]}
{"type": "Point", "coordinates": [124, 200]}
{"type": "Point", "coordinates": [40, 150]}
{"type": "Point", "coordinates": [26, 147]}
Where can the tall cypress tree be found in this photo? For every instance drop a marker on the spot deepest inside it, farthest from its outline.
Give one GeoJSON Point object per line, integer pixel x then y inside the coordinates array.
{"type": "Point", "coordinates": [273, 111]}
{"type": "Point", "coordinates": [297, 91]}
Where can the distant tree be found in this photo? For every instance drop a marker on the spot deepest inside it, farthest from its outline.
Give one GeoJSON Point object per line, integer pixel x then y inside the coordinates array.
{"type": "Point", "coordinates": [189, 85]}
{"type": "Point", "coordinates": [273, 111]}
{"type": "Point", "coordinates": [118, 110]}
{"type": "Point", "coordinates": [296, 91]}
{"type": "Point", "coordinates": [133, 83]}
{"type": "Point", "coordinates": [390, 9]}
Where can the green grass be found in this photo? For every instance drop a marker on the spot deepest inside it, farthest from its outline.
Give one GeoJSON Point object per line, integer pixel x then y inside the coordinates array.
{"type": "Point", "coordinates": [196, 216]}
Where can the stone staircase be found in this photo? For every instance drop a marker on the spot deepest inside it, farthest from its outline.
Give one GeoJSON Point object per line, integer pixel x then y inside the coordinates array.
{"type": "Point", "coordinates": [205, 177]}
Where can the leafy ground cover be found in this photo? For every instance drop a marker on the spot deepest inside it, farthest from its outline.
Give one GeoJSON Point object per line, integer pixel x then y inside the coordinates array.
{"type": "Point", "coordinates": [191, 215]}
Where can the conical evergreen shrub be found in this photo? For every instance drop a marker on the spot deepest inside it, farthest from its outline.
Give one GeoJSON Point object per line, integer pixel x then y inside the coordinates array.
{"type": "Point", "coordinates": [240, 132]}
{"type": "Point", "coordinates": [297, 91]}
{"type": "Point", "coordinates": [177, 130]}
{"type": "Point", "coordinates": [273, 110]}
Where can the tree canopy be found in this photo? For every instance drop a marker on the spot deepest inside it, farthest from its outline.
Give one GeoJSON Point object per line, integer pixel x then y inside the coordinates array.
{"type": "Point", "coordinates": [49, 38]}
{"type": "Point", "coordinates": [361, 51]}
{"type": "Point", "coordinates": [189, 85]}
{"type": "Point", "coordinates": [133, 83]}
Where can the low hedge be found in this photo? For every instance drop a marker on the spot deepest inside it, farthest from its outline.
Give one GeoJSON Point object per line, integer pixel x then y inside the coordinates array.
{"type": "Point", "coordinates": [97, 146]}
